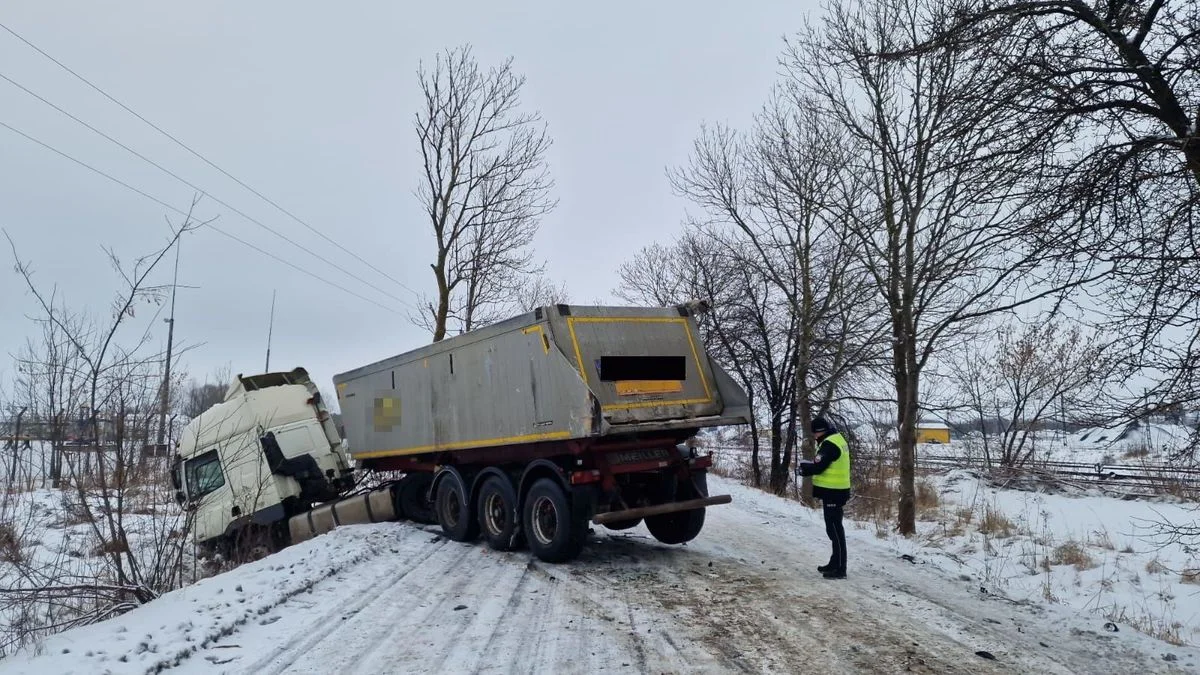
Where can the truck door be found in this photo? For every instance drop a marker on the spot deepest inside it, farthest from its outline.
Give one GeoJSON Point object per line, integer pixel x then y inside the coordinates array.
{"type": "Point", "coordinates": [208, 493]}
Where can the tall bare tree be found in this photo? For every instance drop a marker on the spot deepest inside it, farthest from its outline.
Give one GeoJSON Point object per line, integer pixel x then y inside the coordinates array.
{"type": "Point", "coordinates": [657, 275]}
{"type": "Point", "coordinates": [485, 186]}
{"type": "Point", "coordinates": [50, 385]}
{"type": "Point", "coordinates": [1117, 95]}
{"type": "Point", "coordinates": [778, 190]}
{"type": "Point", "coordinates": [943, 176]}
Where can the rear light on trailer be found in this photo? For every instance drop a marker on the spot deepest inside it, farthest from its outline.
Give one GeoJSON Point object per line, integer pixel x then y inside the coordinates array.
{"type": "Point", "coordinates": [701, 462]}
{"type": "Point", "coordinates": [589, 476]}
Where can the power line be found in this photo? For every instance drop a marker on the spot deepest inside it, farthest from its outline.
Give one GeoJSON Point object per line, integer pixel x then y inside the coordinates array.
{"type": "Point", "coordinates": [197, 188]}
{"type": "Point", "coordinates": [183, 213]}
{"type": "Point", "coordinates": [204, 159]}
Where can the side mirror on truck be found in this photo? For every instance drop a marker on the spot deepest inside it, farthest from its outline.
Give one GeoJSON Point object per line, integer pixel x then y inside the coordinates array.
{"type": "Point", "coordinates": [176, 481]}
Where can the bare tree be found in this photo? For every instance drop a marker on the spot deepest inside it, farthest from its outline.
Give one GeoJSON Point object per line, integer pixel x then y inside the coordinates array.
{"type": "Point", "coordinates": [1116, 89]}
{"type": "Point", "coordinates": [656, 275]}
{"type": "Point", "coordinates": [116, 384]}
{"type": "Point", "coordinates": [199, 397]}
{"type": "Point", "coordinates": [485, 186]}
{"type": "Point", "coordinates": [943, 220]}
{"type": "Point", "coordinates": [1029, 376]}
{"type": "Point", "coordinates": [50, 385]}
{"type": "Point", "coordinates": [778, 189]}
{"type": "Point", "coordinates": [538, 291]}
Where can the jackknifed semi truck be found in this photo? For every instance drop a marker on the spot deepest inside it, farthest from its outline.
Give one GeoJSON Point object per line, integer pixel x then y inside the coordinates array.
{"type": "Point", "coordinates": [524, 432]}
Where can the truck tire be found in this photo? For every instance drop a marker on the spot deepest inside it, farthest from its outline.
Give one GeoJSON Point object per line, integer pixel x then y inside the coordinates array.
{"type": "Point", "coordinates": [412, 498]}
{"type": "Point", "coordinates": [254, 542]}
{"type": "Point", "coordinates": [623, 524]}
{"type": "Point", "coordinates": [681, 526]}
{"type": "Point", "coordinates": [454, 511]}
{"type": "Point", "coordinates": [499, 520]}
{"type": "Point", "coordinates": [555, 534]}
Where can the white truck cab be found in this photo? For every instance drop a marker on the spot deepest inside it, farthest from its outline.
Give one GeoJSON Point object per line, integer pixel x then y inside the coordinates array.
{"type": "Point", "coordinates": [266, 453]}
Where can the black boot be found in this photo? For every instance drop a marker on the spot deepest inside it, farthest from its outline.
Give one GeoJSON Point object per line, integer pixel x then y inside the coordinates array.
{"type": "Point", "coordinates": [826, 567]}
{"type": "Point", "coordinates": [839, 573]}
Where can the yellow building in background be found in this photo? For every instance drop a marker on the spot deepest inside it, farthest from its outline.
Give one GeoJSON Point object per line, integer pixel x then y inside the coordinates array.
{"type": "Point", "coordinates": [933, 431]}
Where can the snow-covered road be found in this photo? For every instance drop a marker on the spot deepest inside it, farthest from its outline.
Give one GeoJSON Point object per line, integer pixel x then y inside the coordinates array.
{"type": "Point", "coordinates": [744, 597]}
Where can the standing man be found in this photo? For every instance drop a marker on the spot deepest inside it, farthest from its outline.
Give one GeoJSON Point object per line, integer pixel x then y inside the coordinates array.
{"type": "Point", "coordinates": [831, 484]}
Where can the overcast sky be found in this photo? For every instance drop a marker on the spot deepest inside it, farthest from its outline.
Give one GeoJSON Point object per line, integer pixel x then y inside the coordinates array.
{"type": "Point", "coordinates": [312, 104]}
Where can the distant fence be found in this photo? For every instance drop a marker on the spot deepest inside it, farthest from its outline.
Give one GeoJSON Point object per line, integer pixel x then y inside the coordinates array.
{"type": "Point", "coordinates": [1141, 474]}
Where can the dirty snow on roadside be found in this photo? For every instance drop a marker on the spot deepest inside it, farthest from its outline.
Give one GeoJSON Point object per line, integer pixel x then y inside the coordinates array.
{"type": "Point", "coordinates": [744, 597]}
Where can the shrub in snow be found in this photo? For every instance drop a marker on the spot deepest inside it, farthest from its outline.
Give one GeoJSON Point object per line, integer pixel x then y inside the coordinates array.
{"type": "Point", "coordinates": [1072, 553]}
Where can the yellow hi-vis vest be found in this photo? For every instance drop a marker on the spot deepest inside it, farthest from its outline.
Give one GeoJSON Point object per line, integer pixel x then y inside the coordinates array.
{"type": "Point", "coordinates": [837, 476]}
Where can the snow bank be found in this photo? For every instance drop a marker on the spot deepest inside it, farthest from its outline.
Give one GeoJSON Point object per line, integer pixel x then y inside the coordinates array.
{"type": "Point", "coordinates": [1093, 553]}
{"type": "Point", "coordinates": [163, 633]}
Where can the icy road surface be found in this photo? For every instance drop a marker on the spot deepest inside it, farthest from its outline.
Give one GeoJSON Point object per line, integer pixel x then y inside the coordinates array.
{"type": "Point", "coordinates": [744, 597]}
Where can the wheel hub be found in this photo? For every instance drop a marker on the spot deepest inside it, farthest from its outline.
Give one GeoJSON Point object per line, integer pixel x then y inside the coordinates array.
{"type": "Point", "coordinates": [545, 520]}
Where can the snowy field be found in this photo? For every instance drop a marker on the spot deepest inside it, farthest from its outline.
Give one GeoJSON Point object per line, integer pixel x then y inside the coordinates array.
{"type": "Point", "coordinates": [1095, 554]}
{"type": "Point", "coordinates": [1119, 444]}
{"type": "Point", "coordinates": [745, 596]}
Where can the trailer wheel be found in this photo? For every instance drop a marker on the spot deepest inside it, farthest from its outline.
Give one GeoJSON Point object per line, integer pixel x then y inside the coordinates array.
{"type": "Point", "coordinates": [681, 526]}
{"type": "Point", "coordinates": [623, 524]}
{"type": "Point", "coordinates": [453, 511]}
{"type": "Point", "coordinates": [553, 532]}
{"type": "Point", "coordinates": [498, 516]}
{"type": "Point", "coordinates": [412, 498]}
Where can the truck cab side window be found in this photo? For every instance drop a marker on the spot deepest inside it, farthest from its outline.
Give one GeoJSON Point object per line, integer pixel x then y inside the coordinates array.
{"type": "Point", "coordinates": [204, 475]}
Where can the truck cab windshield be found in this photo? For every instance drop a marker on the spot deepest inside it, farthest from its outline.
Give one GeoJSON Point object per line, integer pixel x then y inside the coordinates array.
{"type": "Point", "coordinates": [204, 475]}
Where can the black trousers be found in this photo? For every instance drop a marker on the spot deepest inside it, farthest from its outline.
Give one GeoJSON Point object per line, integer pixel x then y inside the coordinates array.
{"type": "Point", "coordinates": [837, 533]}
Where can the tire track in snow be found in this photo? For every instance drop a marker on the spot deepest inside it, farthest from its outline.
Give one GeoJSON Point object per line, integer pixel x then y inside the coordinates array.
{"type": "Point", "coordinates": [514, 601]}
{"type": "Point", "coordinates": [644, 634]}
{"type": "Point", "coordinates": [518, 618]}
{"type": "Point", "coordinates": [326, 623]}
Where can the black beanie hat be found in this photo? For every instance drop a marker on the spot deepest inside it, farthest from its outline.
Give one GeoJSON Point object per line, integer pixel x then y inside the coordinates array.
{"type": "Point", "coordinates": [820, 425]}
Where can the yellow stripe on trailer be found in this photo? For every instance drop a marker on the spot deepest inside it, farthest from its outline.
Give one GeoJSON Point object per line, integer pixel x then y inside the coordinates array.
{"type": "Point", "coordinates": [466, 445]}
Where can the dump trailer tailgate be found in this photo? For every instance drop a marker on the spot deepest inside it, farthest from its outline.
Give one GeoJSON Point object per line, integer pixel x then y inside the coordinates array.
{"type": "Point", "coordinates": [643, 364]}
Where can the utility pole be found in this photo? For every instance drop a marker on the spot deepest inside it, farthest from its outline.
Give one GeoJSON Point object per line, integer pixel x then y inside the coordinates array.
{"type": "Point", "coordinates": [270, 331]}
{"type": "Point", "coordinates": [166, 383]}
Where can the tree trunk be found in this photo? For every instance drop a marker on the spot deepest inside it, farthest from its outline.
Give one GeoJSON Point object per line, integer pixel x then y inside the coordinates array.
{"type": "Point", "coordinates": [808, 448]}
{"type": "Point", "coordinates": [755, 464]}
{"type": "Point", "coordinates": [778, 472]}
{"type": "Point", "coordinates": [906, 390]}
{"type": "Point", "coordinates": [443, 307]}
{"type": "Point", "coordinates": [16, 449]}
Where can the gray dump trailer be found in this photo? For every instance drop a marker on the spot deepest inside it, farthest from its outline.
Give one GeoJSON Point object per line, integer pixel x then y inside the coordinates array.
{"type": "Point", "coordinates": [529, 429]}
{"type": "Point", "coordinates": [525, 431]}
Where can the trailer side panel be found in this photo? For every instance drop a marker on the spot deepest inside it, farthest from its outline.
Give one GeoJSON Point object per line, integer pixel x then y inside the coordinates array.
{"type": "Point", "coordinates": [509, 388]}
